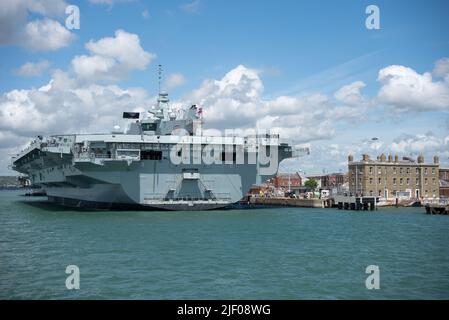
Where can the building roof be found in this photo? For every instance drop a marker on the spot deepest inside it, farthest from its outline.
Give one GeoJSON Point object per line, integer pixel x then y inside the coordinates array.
{"type": "Point", "coordinates": [392, 163]}
{"type": "Point", "coordinates": [325, 175]}
{"type": "Point", "coordinates": [286, 175]}
{"type": "Point", "coordinates": [390, 160]}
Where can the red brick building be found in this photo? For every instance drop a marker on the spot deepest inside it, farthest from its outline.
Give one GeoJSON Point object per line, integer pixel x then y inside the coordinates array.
{"type": "Point", "coordinates": [330, 180]}
{"type": "Point", "coordinates": [444, 174]}
{"type": "Point", "coordinates": [444, 189]}
{"type": "Point", "coordinates": [444, 183]}
{"type": "Point", "coordinates": [333, 180]}
{"type": "Point", "coordinates": [287, 180]}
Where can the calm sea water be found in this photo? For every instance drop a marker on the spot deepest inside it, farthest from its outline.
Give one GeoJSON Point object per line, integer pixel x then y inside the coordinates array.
{"type": "Point", "coordinates": [285, 253]}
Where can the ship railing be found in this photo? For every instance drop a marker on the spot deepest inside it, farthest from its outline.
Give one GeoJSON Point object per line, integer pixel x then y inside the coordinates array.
{"type": "Point", "coordinates": [91, 156]}
{"type": "Point", "coordinates": [32, 145]}
{"type": "Point", "coordinates": [257, 139]}
{"type": "Point", "coordinates": [158, 197]}
{"type": "Point", "coordinates": [102, 156]}
{"type": "Point", "coordinates": [186, 199]}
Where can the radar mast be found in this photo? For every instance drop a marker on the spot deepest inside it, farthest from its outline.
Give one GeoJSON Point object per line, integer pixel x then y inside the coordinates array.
{"type": "Point", "coordinates": [162, 109]}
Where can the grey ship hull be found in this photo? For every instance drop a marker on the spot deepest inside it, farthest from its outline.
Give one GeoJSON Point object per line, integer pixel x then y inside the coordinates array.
{"type": "Point", "coordinates": [110, 183]}
{"type": "Point", "coordinates": [72, 198]}
{"type": "Point", "coordinates": [146, 186]}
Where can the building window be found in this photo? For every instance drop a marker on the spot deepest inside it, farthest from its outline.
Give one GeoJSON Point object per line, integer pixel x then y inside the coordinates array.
{"type": "Point", "coordinates": [417, 181]}
{"type": "Point", "coordinates": [380, 180]}
{"type": "Point", "coordinates": [370, 170]}
{"type": "Point", "coordinates": [434, 181]}
{"type": "Point", "coordinates": [425, 181]}
{"type": "Point", "coordinates": [370, 180]}
{"type": "Point", "coordinates": [408, 170]}
{"type": "Point", "coordinates": [433, 170]}
{"type": "Point", "coordinates": [400, 181]}
{"type": "Point", "coordinates": [408, 181]}
{"type": "Point", "coordinates": [400, 170]}
{"type": "Point", "coordinates": [394, 181]}
{"type": "Point", "coordinates": [417, 170]}
{"type": "Point", "coordinates": [394, 170]}
{"type": "Point", "coordinates": [425, 170]}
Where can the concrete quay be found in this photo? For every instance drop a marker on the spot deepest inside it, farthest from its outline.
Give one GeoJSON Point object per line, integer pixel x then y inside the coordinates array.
{"type": "Point", "coordinates": [291, 202]}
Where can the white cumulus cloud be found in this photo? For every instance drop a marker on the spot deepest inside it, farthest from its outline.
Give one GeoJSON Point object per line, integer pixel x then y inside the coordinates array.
{"type": "Point", "coordinates": [405, 89]}
{"type": "Point", "coordinates": [64, 106]}
{"type": "Point", "coordinates": [33, 69]}
{"type": "Point", "coordinates": [174, 80]}
{"type": "Point", "coordinates": [112, 58]}
{"type": "Point", "coordinates": [441, 67]}
{"type": "Point", "coordinates": [41, 34]}
{"type": "Point", "coordinates": [47, 34]}
{"type": "Point", "coordinates": [351, 94]}
{"type": "Point", "coordinates": [420, 143]}
{"type": "Point", "coordinates": [236, 101]}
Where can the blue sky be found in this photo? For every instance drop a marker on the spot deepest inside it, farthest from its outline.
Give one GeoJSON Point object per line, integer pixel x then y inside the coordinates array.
{"type": "Point", "coordinates": [298, 48]}
{"type": "Point", "coordinates": [299, 38]}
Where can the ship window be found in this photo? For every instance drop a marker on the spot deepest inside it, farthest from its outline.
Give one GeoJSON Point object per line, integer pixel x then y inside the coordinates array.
{"type": "Point", "coordinates": [151, 155]}
{"type": "Point", "coordinates": [149, 126]}
{"type": "Point", "coordinates": [228, 156]}
{"type": "Point", "coordinates": [128, 153]}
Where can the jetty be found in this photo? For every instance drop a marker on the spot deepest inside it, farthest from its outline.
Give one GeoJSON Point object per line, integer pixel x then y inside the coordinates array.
{"type": "Point", "coordinates": [356, 202]}
{"type": "Point", "coordinates": [437, 208]}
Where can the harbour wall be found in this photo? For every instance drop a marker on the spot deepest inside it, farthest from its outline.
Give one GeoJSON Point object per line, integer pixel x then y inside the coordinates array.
{"type": "Point", "coordinates": [291, 202]}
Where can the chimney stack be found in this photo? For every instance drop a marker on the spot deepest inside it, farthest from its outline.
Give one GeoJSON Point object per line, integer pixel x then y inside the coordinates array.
{"type": "Point", "coordinates": [420, 158]}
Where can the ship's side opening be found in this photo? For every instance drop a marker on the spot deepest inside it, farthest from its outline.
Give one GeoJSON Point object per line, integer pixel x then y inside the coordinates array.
{"type": "Point", "coordinates": [150, 155]}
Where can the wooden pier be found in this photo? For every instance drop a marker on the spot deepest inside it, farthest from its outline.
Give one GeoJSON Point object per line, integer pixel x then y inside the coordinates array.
{"type": "Point", "coordinates": [437, 208]}
{"type": "Point", "coordinates": [356, 203]}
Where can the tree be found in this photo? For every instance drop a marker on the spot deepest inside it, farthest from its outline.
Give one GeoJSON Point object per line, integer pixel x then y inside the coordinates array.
{"type": "Point", "coordinates": [311, 184]}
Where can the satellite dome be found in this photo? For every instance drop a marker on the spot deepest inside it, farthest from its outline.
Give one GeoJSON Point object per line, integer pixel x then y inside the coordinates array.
{"type": "Point", "coordinates": [116, 129]}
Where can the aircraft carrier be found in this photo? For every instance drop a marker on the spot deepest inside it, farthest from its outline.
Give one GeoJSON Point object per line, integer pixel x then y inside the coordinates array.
{"type": "Point", "coordinates": [160, 161]}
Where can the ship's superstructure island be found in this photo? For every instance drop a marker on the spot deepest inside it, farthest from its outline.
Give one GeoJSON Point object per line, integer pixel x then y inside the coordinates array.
{"type": "Point", "coordinates": [161, 160]}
